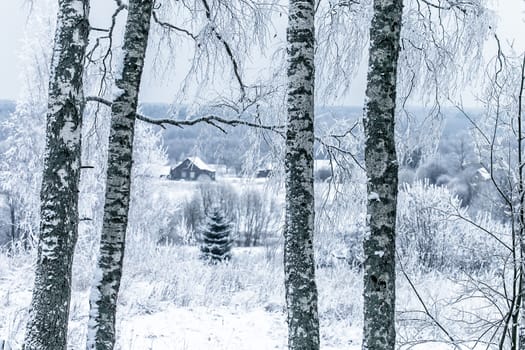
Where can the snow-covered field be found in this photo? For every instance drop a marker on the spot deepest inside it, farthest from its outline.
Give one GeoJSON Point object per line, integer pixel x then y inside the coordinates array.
{"type": "Point", "coordinates": [170, 299]}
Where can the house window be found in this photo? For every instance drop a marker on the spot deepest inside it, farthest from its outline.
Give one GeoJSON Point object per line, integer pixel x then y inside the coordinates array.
{"type": "Point", "coordinates": [183, 174]}
{"type": "Point", "coordinates": [192, 175]}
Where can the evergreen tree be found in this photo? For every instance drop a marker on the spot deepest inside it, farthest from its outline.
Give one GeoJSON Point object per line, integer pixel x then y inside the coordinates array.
{"type": "Point", "coordinates": [216, 242]}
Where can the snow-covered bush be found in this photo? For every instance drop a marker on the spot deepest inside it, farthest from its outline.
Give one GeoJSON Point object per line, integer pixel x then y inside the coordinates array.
{"type": "Point", "coordinates": [436, 232]}
{"type": "Point", "coordinates": [218, 194]}
{"type": "Point", "coordinates": [22, 162]}
{"type": "Point", "coordinates": [406, 175]}
{"type": "Point", "coordinates": [150, 209]}
{"type": "Point", "coordinates": [257, 217]}
{"type": "Point", "coordinates": [431, 171]}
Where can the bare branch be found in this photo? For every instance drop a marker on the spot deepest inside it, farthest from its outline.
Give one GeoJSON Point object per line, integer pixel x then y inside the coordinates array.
{"type": "Point", "coordinates": [451, 5]}
{"type": "Point", "coordinates": [107, 56]}
{"type": "Point", "coordinates": [338, 148]}
{"type": "Point", "coordinates": [172, 27]}
{"type": "Point", "coordinates": [228, 49]}
{"type": "Point", "coordinates": [95, 29]}
{"type": "Point", "coordinates": [427, 311]}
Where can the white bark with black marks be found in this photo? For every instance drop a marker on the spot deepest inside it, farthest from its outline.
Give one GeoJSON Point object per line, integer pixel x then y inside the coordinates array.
{"type": "Point", "coordinates": [104, 294]}
{"type": "Point", "coordinates": [49, 310]}
{"type": "Point", "coordinates": [381, 169]}
{"type": "Point", "coordinates": [521, 195]}
{"type": "Point", "coordinates": [299, 264]}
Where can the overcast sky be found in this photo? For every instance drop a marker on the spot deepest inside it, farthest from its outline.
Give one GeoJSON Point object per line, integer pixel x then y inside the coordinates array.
{"type": "Point", "coordinates": [13, 15]}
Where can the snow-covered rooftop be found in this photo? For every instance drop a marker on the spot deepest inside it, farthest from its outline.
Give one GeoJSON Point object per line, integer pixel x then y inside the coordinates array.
{"type": "Point", "coordinates": [199, 163]}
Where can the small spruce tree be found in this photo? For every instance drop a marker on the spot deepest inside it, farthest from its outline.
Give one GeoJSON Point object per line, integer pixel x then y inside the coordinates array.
{"type": "Point", "coordinates": [216, 241]}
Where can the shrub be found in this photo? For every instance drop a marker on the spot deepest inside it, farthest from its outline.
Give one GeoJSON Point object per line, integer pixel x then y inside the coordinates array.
{"type": "Point", "coordinates": [436, 232]}
{"type": "Point", "coordinates": [257, 215]}
{"type": "Point", "coordinates": [254, 215]}
{"type": "Point", "coordinates": [405, 175]}
{"type": "Point", "coordinates": [222, 195]}
{"type": "Point", "coordinates": [192, 216]}
{"type": "Point", "coordinates": [339, 227]}
{"type": "Point", "coordinates": [431, 171]}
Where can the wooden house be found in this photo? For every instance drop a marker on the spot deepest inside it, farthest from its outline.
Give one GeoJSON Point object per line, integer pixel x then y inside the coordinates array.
{"type": "Point", "coordinates": [192, 169]}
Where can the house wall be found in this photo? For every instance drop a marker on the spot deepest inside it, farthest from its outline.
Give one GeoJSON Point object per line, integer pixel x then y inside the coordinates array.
{"type": "Point", "coordinates": [187, 171]}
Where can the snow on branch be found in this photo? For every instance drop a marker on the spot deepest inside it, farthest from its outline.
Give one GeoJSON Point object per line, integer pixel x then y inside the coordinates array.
{"type": "Point", "coordinates": [211, 119]}
{"type": "Point", "coordinates": [451, 5]}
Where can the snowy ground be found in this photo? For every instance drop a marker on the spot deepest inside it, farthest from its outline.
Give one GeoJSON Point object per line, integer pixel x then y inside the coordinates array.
{"type": "Point", "coordinates": [192, 306]}
{"type": "Point", "coordinates": [202, 328]}
{"type": "Point", "coordinates": [179, 303]}
{"type": "Point", "coordinates": [171, 300]}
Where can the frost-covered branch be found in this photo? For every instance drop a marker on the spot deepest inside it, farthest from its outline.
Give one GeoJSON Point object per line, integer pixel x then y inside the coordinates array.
{"type": "Point", "coordinates": [331, 149]}
{"type": "Point", "coordinates": [450, 5]}
{"type": "Point", "coordinates": [210, 119]}
{"type": "Point", "coordinates": [442, 47]}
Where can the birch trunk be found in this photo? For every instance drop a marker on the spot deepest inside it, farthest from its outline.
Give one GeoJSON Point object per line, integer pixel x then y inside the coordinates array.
{"type": "Point", "coordinates": [521, 217]}
{"type": "Point", "coordinates": [104, 294]}
{"type": "Point", "coordinates": [49, 310]}
{"type": "Point", "coordinates": [381, 168]}
{"type": "Point", "coordinates": [299, 264]}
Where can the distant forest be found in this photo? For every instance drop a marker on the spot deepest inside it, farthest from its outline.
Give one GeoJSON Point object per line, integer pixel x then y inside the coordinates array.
{"type": "Point", "coordinates": [454, 149]}
{"type": "Point", "coordinates": [6, 108]}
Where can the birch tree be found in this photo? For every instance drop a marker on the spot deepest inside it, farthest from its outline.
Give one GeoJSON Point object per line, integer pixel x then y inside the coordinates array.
{"type": "Point", "coordinates": [49, 310]}
{"type": "Point", "coordinates": [104, 294]}
{"type": "Point", "coordinates": [299, 264]}
{"type": "Point", "coordinates": [381, 169]}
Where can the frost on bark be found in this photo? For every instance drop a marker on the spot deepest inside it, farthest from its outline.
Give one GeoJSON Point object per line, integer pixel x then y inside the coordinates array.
{"type": "Point", "coordinates": [381, 169]}
{"type": "Point", "coordinates": [104, 294]}
{"type": "Point", "coordinates": [299, 265]}
{"type": "Point", "coordinates": [49, 309]}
